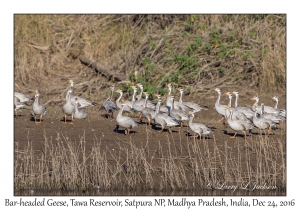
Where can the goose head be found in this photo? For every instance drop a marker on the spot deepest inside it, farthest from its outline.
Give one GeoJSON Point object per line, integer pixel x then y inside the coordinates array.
{"type": "Point", "coordinates": [119, 91]}
{"type": "Point", "coordinates": [275, 98]}
{"type": "Point", "coordinates": [218, 90]}
{"type": "Point", "coordinates": [255, 98]}
{"type": "Point", "coordinates": [71, 82]}
{"type": "Point", "coordinates": [235, 93]}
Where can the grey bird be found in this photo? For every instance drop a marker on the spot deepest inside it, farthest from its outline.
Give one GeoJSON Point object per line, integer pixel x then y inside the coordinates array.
{"type": "Point", "coordinates": [177, 104]}
{"type": "Point", "coordinates": [275, 117]}
{"type": "Point", "coordinates": [21, 100]}
{"type": "Point", "coordinates": [196, 107]}
{"type": "Point", "coordinates": [79, 113]}
{"type": "Point", "coordinates": [127, 104]}
{"type": "Point", "coordinates": [163, 119]}
{"type": "Point", "coordinates": [109, 105]}
{"type": "Point", "coordinates": [83, 102]}
{"type": "Point", "coordinates": [198, 128]}
{"type": "Point", "coordinates": [141, 100]}
{"type": "Point", "coordinates": [236, 115]}
{"type": "Point", "coordinates": [281, 112]}
{"type": "Point", "coordinates": [37, 108]}
{"type": "Point", "coordinates": [178, 114]}
{"type": "Point", "coordinates": [125, 122]}
{"type": "Point", "coordinates": [220, 108]}
{"type": "Point", "coordinates": [137, 105]}
{"type": "Point", "coordinates": [69, 107]}
{"type": "Point", "coordinates": [262, 123]}
{"type": "Point", "coordinates": [148, 112]}
{"type": "Point", "coordinates": [245, 110]}
{"type": "Point", "coordinates": [237, 124]}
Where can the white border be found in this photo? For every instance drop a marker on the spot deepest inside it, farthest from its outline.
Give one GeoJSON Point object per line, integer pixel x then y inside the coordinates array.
{"type": "Point", "coordinates": [8, 8]}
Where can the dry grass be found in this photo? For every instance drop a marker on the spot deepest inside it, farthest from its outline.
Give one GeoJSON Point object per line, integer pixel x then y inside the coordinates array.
{"type": "Point", "coordinates": [67, 164]}
{"type": "Point", "coordinates": [198, 52]}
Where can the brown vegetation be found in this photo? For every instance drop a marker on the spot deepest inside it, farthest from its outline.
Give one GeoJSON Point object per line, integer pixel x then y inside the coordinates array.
{"type": "Point", "coordinates": [198, 52]}
{"type": "Point", "coordinates": [246, 53]}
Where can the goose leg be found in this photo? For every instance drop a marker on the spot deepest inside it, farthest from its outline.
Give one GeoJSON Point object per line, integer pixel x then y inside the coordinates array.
{"type": "Point", "coordinates": [169, 130]}
{"type": "Point", "coordinates": [72, 120]}
{"type": "Point", "coordinates": [269, 130]}
{"type": "Point", "coordinates": [65, 119]}
{"type": "Point", "coordinates": [162, 128]}
{"type": "Point", "coordinates": [125, 131]}
{"type": "Point", "coordinates": [244, 134]}
{"type": "Point", "coordinates": [38, 122]}
{"type": "Point", "coordinates": [234, 135]}
{"type": "Point", "coordinates": [128, 131]}
{"type": "Point", "coordinates": [35, 118]}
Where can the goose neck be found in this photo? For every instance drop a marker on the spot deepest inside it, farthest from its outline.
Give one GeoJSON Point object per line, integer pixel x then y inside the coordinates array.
{"type": "Point", "coordinates": [276, 104]}
{"type": "Point", "coordinates": [180, 99]}
{"type": "Point", "coordinates": [218, 99]}
{"type": "Point", "coordinates": [120, 96]}
{"type": "Point", "coordinates": [36, 100]}
{"type": "Point", "coordinates": [236, 101]}
{"type": "Point", "coordinates": [133, 96]}
{"type": "Point", "coordinates": [229, 102]}
{"type": "Point", "coordinates": [121, 111]}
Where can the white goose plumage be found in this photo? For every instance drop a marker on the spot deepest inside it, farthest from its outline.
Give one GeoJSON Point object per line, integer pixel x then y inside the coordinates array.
{"type": "Point", "coordinates": [79, 113]}
{"type": "Point", "coordinates": [37, 108]}
{"type": "Point", "coordinates": [245, 110]}
{"type": "Point", "coordinates": [127, 104]}
{"type": "Point", "coordinates": [164, 119]}
{"type": "Point", "coordinates": [196, 107]}
{"type": "Point", "coordinates": [221, 109]}
{"type": "Point", "coordinates": [125, 122]}
{"type": "Point", "coordinates": [69, 107]}
{"type": "Point", "coordinates": [82, 101]}
{"type": "Point", "coordinates": [108, 104]}
{"type": "Point", "coordinates": [198, 128]}
{"type": "Point", "coordinates": [237, 124]}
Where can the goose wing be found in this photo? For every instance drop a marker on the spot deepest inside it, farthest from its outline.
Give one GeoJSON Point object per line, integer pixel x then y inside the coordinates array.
{"type": "Point", "coordinates": [83, 101]}
{"type": "Point", "coordinates": [23, 98]}
{"type": "Point", "coordinates": [196, 107]}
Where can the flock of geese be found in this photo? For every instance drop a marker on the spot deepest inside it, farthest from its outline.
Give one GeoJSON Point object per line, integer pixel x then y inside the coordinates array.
{"type": "Point", "coordinates": [173, 113]}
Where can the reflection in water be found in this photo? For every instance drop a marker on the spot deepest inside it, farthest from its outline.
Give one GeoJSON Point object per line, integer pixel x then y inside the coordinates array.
{"type": "Point", "coordinates": [32, 192]}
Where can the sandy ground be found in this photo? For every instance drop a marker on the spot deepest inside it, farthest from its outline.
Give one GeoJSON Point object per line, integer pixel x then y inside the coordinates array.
{"type": "Point", "coordinates": [100, 128]}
